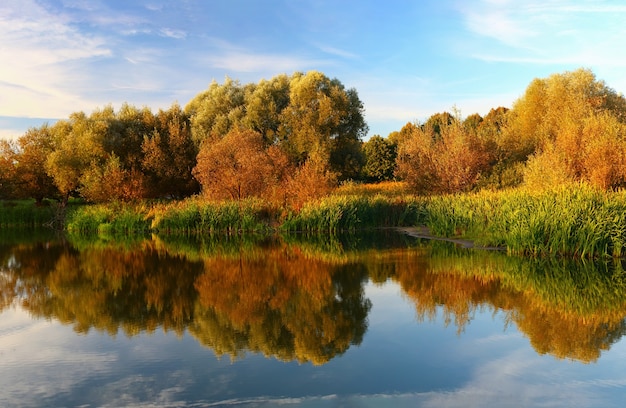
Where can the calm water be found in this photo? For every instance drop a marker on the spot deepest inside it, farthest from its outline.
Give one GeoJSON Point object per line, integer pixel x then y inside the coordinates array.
{"type": "Point", "coordinates": [359, 321]}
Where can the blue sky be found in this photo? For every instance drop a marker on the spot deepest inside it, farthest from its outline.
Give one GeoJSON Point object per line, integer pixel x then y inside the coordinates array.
{"type": "Point", "coordinates": [407, 59]}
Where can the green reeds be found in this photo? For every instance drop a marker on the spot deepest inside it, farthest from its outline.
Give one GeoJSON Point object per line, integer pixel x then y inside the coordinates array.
{"type": "Point", "coordinates": [196, 216]}
{"type": "Point", "coordinates": [108, 219]}
{"type": "Point", "coordinates": [351, 213]}
{"type": "Point", "coordinates": [25, 213]}
{"type": "Point", "coordinates": [577, 221]}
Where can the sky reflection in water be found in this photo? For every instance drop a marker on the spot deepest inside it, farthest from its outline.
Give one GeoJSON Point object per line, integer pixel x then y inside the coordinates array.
{"type": "Point", "coordinates": [410, 354]}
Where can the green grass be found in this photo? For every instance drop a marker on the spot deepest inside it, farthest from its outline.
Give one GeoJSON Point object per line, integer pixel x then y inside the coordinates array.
{"type": "Point", "coordinates": [196, 216]}
{"type": "Point", "coordinates": [573, 221]}
{"type": "Point", "coordinates": [351, 212]}
{"type": "Point", "coordinates": [24, 213]}
{"type": "Point", "coordinates": [108, 219]}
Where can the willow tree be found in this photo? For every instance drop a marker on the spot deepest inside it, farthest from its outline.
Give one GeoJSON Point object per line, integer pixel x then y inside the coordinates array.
{"type": "Point", "coordinates": [169, 155]}
{"type": "Point", "coordinates": [215, 111]}
{"type": "Point", "coordinates": [78, 146]}
{"type": "Point", "coordinates": [305, 115]}
{"type": "Point", "coordinates": [325, 118]}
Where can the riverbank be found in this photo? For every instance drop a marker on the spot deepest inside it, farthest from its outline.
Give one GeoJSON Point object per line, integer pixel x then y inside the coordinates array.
{"type": "Point", "coordinates": [575, 221]}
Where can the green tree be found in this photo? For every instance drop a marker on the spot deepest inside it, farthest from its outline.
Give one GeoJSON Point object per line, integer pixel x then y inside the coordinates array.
{"type": "Point", "coordinates": [264, 104]}
{"type": "Point", "coordinates": [325, 118]}
{"type": "Point", "coordinates": [380, 159]}
{"type": "Point", "coordinates": [169, 155]}
{"type": "Point", "coordinates": [78, 145]}
{"type": "Point", "coordinates": [216, 110]}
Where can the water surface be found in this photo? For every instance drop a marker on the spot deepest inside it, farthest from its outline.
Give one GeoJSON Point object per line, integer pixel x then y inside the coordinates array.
{"type": "Point", "coordinates": [368, 320]}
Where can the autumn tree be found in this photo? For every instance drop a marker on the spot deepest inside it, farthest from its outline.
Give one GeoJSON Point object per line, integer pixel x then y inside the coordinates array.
{"type": "Point", "coordinates": [303, 114]}
{"type": "Point", "coordinates": [7, 169]}
{"type": "Point", "coordinates": [31, 178]}
{"type": "Point", "coordinates": [571, 122]}
{"type": "Point", "coordinates": [449, 161]}
{"type": "Point", "coordinates": [234, 167]}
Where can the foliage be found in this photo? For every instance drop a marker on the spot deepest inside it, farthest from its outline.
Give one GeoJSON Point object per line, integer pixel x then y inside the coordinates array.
{"type": "Point", "coordinates": [169, 155]}
{"type": "Point", "coordinates": [236, 166]}
{"type": "Point", "coordinates": [195, 216]}
{"type": "Point", "coordinates": [571, 126]}
{"type": "Point", "coordinates": [448, 160]}
{"type": "Point", "coordinates": [345, 213]}
{"type": "Point", "coordinates": [380, 159]}
{"type": "Point", "coordinates": [306, 114]}
{"type": "Point", "coordinates": [25, 213]}
{"type": "Point", "coordinates": [113, 218]}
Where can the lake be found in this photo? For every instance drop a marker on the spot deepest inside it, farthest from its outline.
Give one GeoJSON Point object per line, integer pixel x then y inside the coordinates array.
{"type": "Point", "coordinates": [365, 320]}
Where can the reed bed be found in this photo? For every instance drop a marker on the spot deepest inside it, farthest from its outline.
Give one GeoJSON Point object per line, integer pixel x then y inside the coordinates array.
{"type": "Point", "coordinates": [108, 219]}
{"type": "Point", "coordinates": [352, 212]}
{"type": "Point", "coordinates": [574, 221]}
{"type": "Point", "coordinates": [195, 216]}
{"type": "Point", "coordinates": [25, 214]}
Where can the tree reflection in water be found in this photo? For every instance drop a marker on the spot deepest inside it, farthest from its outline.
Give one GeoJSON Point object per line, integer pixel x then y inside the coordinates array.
{"type": "Point", "coordinates": [298, 299]}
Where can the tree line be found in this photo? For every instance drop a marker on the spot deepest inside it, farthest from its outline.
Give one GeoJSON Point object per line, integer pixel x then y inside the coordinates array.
{"type": "Point", "coordinates": [292, 138]}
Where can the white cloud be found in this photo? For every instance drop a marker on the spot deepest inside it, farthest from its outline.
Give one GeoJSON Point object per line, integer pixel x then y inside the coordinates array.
{"type": "Point", "coordinates": [241, 61]}
{"type": "Point", "coordinates": [172, 33]}
{"type": "Point", "coordinates": [35, 46]}
{"type": "Point", "coordinates": [546, 32]}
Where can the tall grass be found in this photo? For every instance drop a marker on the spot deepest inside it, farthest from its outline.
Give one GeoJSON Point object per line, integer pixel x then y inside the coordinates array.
{"type": "Point", "coordinates": [577, 221]}
{"type": "Point", "coordinates": [196, 216]}
{"type": "Point", "coordinates": [107, 219]}
{"type": "Point", "coordinates": [574, 221]}
{"type": "Point", "coordinates": [351, 212]}
{"type": "Point", "coordinates": [25, 213]}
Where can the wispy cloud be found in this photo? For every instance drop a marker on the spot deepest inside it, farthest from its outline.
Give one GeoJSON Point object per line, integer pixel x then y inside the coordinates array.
{"type": "Point", "coordinates": [337, 51]}
{"type": "Point", "coordinates": [547, 32]}
{"type": "Point", "coordinates": [172, 33]}
{"type": "Point", "coordinates": [254, 62]}
{"type": "Point", "coordinates": [35, 44]}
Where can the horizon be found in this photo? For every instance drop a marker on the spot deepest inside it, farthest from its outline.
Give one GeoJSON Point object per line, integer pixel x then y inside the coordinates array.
{"type": "Point", "coordinates": [407, 60]}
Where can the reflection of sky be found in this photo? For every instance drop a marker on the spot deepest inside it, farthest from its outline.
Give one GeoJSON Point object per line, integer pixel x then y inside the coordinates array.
{"type": "Point", "coordinates": [401, 363]}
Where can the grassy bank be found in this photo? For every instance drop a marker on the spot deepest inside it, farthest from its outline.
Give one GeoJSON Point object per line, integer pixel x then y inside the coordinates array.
{"type": "Point", "coordinates": [25, 214]}
{"type": "Point", "coordinates": [572, 221]}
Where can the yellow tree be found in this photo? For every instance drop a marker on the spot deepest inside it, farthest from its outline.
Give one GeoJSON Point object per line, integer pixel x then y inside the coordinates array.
{"type": "Point", "coordinates": [572, 125]}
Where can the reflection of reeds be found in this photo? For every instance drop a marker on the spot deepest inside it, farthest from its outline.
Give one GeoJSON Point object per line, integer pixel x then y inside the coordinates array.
{"type": "Point", "coordinates": [570, 309]}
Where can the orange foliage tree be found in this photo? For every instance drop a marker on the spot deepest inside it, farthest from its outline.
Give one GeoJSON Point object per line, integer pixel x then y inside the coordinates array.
{"type": "Point", "coordinates": [236, 166]}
